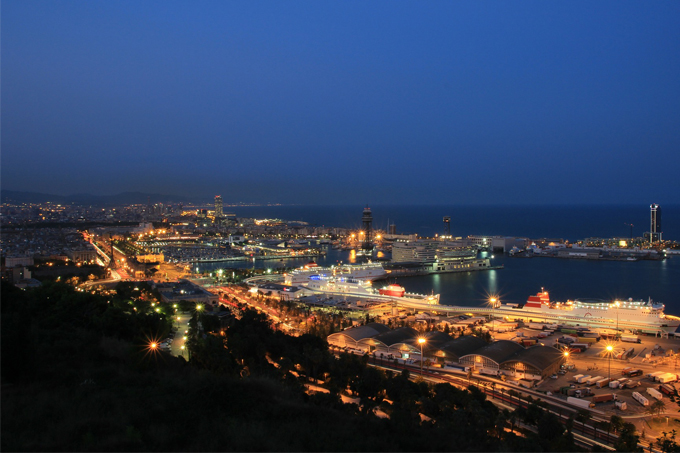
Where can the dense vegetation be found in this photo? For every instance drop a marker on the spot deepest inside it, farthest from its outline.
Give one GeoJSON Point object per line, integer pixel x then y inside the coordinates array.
{"type": "Point", "coordinates": [77, 374]}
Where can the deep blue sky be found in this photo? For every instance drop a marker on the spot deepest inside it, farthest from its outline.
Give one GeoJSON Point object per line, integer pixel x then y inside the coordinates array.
{"type": "Point", "coordinates": [344, 102]}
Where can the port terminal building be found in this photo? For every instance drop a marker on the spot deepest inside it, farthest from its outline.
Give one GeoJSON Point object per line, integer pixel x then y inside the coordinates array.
{"type": "Point", "coordinates": [172, 292]}
{"type": "Point", "coordinates": [498, 358]}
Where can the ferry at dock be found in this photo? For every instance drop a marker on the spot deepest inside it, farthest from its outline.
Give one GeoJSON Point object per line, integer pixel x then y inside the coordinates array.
{"type": "Point", "coordinates": [646, 316]}
{"type": "Point", "coordinates": [364, 288]}
{"type": "Point", "coordinates": [367, 272]}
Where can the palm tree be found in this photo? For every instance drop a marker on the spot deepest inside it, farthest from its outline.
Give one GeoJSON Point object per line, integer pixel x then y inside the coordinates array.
{"type": "Point", "coordinates": [657, 407]}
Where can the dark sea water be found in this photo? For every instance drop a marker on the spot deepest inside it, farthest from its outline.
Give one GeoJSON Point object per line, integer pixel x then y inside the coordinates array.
{"type": "Point", "coordinates": [520, 277]}
{"type": "Point", "coordinates": [567, 222]}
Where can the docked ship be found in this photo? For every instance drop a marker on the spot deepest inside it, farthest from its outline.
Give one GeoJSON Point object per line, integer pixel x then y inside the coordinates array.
{"type": "Point", "coordinates": [646, 316]}
{"type": "Point", "coordinates": [368, 272]}
{"type": "Point", "coordinates": [364, 288]}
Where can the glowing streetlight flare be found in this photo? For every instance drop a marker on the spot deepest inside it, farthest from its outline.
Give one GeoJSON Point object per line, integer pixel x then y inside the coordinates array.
{"type": "Point", "coordinates": [421, 341]}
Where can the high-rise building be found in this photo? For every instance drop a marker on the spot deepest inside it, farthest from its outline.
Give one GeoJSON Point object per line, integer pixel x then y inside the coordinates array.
{"type": "Point", "coordinates": [218, 206]}
{"type": "Point", "coordinates": [367, 220]}
{"type": "Point", "coordinates": [655, 223]}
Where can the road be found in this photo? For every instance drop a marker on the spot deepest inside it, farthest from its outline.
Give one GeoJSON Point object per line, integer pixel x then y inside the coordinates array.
{"type": "Point", "coordinates": [181, 323]}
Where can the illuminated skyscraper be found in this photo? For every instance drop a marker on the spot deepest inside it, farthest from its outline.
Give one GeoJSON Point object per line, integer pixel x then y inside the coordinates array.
{"type": "Point", "coordinates": [655, 223]}
{"type": "Point", "coordinates": [218, 206]}
{"type": "Point", "coordinates": [367, 220]}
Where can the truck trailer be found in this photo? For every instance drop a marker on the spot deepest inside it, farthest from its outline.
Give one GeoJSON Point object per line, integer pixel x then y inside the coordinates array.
{"type": "Point", "coordinates": [585, 404]}
{"type": "Point", "coordinates": [604, 398]}
{"type": "Point", "coordinates": [654, 393]}
{"type": "Point", "coordinates": [640, 399]}
{"type": "Point", "coordinates": [630, 339]}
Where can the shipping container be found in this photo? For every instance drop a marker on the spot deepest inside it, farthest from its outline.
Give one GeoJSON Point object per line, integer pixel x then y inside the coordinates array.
{"type": "Point", "coordinates": [634, 373]}
{"type": "Point", "coordinates": [621, 405]}
{"type": "Point", "coordinates": [581, 346]}
{"type": "Point", "coordinates": [577, 377]}
{"type": "Point", "coordinates": [632, 384]}
{"type": "Point", "coordinates": [614, 384]}
{"type": "Point", "coordinates": [582, 379]}
{"type": "Point", "coordinates": [589, 340]}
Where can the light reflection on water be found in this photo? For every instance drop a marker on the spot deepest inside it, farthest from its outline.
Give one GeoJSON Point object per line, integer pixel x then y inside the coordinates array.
{"type": "Point", "coordinates": [521, 277]}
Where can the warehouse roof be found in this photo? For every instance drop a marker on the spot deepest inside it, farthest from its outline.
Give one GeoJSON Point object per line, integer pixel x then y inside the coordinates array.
{"type": "Point", "coordinates": [498, 351]}
{"type": "Point", "coordinates": [369, 330]}
{"type": "Point", "coordinates": [392, 337]}
{"type": "Point", "coordinates": [540, 357]}
{"type": "Point", "coordinates": [462, 346]}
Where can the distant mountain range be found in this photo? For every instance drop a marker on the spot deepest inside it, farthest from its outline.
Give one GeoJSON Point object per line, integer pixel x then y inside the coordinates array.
{"type": "Point", "coordinates": [125, 198]}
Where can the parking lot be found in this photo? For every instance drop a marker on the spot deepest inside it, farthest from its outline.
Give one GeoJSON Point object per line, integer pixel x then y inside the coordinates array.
{"type": "Point", "coordinates": [592, 362]}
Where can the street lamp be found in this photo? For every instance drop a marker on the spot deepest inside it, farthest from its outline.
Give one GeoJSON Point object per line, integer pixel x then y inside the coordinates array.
{"type": "Point", "coordinates": [566, 358]}
{"type": "Point", "coordinates": [610, 348]}
{"type": "Point", "coordinates": [421, 341]}
{"type": "Point", "coordinates": [493, 300]}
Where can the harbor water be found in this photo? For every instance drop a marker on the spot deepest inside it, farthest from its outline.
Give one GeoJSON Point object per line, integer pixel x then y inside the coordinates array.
{"type": "Point", "coordinates": [520, 277]}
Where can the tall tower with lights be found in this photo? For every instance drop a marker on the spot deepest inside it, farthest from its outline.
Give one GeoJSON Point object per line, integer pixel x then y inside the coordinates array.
{"type": "Point", "coordinates": [218, 207]}
{"type": "Point", "coordinates": [367, 220]}
{"type": "Point", "coordinates": [655, 223]}
{"type": "Point", "coordinates": [447, 225]}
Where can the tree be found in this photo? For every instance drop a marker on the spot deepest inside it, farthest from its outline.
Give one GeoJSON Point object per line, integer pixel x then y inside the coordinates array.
{"type": "Point", "coordinates": [628, 439]}
{"type": "Point", "coordinates": [583, 416]}
{"type": "Point", "coordinates": [616, 423]}
{"type": "Point", "coordinates": [667, 443]}
{"type": "Point", "coordinates": [657, 407]}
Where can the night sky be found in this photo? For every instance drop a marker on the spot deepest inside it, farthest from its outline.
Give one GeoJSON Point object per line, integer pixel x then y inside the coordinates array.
{"type": "Point", "coordinates": [344, 102]}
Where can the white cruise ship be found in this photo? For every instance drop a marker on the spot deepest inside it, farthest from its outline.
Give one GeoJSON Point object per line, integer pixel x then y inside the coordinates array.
{"type": "Point", "coordinates": [364, 288]}
{"type": "Point", "coordinates": [368, 272]}
{"type": "Point", "coordinates": [598, 311]}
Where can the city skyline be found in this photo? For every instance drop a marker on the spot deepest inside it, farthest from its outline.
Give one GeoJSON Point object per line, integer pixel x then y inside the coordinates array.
{"type": "Point", "coordinates": [377, 103]}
